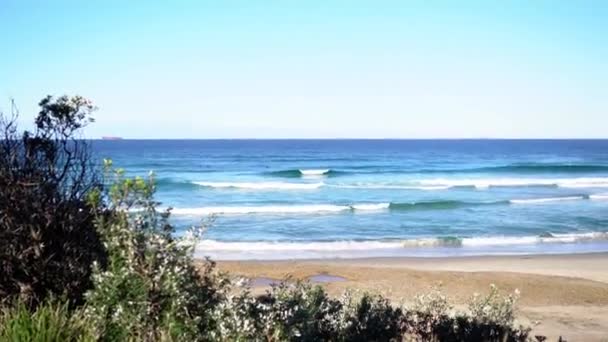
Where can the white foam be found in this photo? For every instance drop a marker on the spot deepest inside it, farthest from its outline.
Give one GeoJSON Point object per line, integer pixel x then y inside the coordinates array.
{"type": "Point", "coordinates": [484, 183]}
{"type": "Point", "coordinates": [292, 209]}
{"type": "Point", "coordinates": [430, 242]}
{"type": "Point", "coordinates": [262, 185]}
{"type": "Point", "coordinates": [500, 241]}
{"type": "Point", "coordinates": [599, 197]}
{"type": "Point", "coordinates": [353, 249]}
{"type": "Point", "coordinates": [529, 240]}
{"type": "Point", "coordinates": [268, 246]}
{"type": "Point", "coordinates": [279, 209]}
{"type": "Point", "coordinates": [583, 183]}
{"type": "Point", "coordinates": [314, 172]}
{"type": "Point", "coordinates": [371, 206]}
{"type": "Point", "coordinates": [577, 237]}
{"type": "Point", "coordinates": [389, 186]}
{"type": "Point", "coordinates": [545, 200]}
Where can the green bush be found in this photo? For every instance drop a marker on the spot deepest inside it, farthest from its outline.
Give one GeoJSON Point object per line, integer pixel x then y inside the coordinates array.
{"type": "Point", "coordinates": [286, 312]}
{"type": "Point", "coordinates": [489, 318]}
{"type": "Point", "coordinates": [52, 321]}
{"type": "Point", "coordinates": [48, 239]}
{"type": "Point", "coordinates": [150, 289]}
{"type": "Point", "coordinates": [301, 312]}
{"type": "Point", "coordinates": [368, 317]}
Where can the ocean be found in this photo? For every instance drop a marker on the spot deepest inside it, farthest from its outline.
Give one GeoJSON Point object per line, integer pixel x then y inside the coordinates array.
{"type": "Point", "coordinates": [290, 199]}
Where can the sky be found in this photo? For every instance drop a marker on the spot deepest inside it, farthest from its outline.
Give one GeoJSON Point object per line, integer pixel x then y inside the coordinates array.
{"type": "Point", "coordinates": [314, 68]}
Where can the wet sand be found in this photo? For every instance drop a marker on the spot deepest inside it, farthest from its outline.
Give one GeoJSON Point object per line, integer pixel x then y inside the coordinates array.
{"type": "Point", "coordinates": [567, 294]}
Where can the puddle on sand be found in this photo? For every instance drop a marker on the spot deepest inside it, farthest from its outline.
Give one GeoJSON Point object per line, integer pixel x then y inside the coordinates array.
{"type": "Point", "coordinates": [326, 278]}
{"type": "Point", "coordinates": [262, 281]}
{"type": "Point", "coordinates": [317, 279]}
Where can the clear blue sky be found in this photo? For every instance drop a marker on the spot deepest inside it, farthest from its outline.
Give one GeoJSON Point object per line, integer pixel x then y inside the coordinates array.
{"type": "Point", "coordinates": [315, 69]}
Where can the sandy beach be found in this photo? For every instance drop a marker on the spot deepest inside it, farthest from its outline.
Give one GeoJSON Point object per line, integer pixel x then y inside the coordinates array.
{"type": "Point", "coordinates": [563, 295]}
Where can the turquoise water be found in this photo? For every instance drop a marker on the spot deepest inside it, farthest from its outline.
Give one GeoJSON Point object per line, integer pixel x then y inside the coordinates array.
{"type": "Point", "coordinates": [283, 199]}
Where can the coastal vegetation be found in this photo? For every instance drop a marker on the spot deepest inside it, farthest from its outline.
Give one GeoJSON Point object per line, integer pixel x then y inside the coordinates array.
{"type": "Point", "coordinates": [86, 255]}
{"type": "Point", "coordinates": [48, 237]}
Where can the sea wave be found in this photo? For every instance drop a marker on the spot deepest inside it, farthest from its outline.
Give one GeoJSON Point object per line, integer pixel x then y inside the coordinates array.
{"type": "Point", "coordinates": [367, 245]}
{"type": "Point", "coordinates": [298, 173]}
{"type": "Point", "coordinates": [174, 183]}
{"type": "Point", "coordinates": [546, 200]}
{"type": "Point", "coordinates": [517, 168]}
{"type": "Point", "coordinates": [601, 197]}
{"type": "Point", "coordinates": [278, 209]}
{"type": "Point", "coordinates": [491, 241]}
{"type": "Point", "coordinates": [484, 183]}
{"type": "Point", "coordinates": [380, 186]}
{"type": "Point", "coordinates": [435, 184]}
{"type": "Point", "coordinates": [261, 185]}
{"type": "Point", "coordinates": [315, 172]}
{"type": "Point", "coordinates": [373, 206]}
{"type": "Point", "coordinates": [528, 168]}
{"type": "Point", "coordinates": [324, 208]}
{"type": "Point", "coordinates": [440, 205]}
{"type": "Point", "coordinates": [544, 238]}
{"type": "Point", "coordinates": [362, 207]}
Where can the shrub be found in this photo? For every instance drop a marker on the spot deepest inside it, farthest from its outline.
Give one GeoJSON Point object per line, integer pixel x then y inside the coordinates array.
{"type": "Point", "coordinates": [151, 289]}
{"type": "Point", "coordinates": [493, 307]}
{"type": "Point", "coordinates": [490, 318]}
{"type": "Point", "coordinates": [368, 318]}
{"type": "Point", "coordinates": [52, 321]}
{"type": "Point", "coordinates": [302, 312]}
{"type": "Point", "coordinates": [48, 239]}
{"type": "Point", "coordinates": [287, 312]}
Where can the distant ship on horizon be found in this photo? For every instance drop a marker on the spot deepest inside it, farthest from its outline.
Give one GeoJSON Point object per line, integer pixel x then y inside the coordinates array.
{"type": "Point", "coordinates": [111, 138]}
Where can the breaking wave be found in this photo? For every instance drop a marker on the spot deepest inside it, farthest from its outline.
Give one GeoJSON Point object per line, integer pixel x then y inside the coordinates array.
{"type": "Point", "coordinates": [438, 246]}
{"type": "Point", "coordinates": [362, 207]}
{"type": "Point", "coordinates": [424, 185]}
{"type": "Point", "coordinates": [546, 200]}
{"type": "Point", "coordinates": [528, 168]}
{"type": "Point", "coordinates": [599, 197]}
{"type": "Point", "coordinates": [298, 173]}
{"type": "Point", "coordinates": [261, 185]}
{"type": "Point", "coordinates": [586, 182]}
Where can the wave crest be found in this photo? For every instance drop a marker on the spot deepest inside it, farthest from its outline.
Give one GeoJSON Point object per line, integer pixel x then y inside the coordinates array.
{"type": "Point", "coordinates": [484, 183]}
{"type": "Point", "coordinates": [392, 206]}
{"type": "Point", "coordinates": [546, 200]}
{"type": "Point", "coordinates": [298, 173]}
{"type": "Point", "coordinates": [282, 209]}
{"type": "Point", "coordinates": [261, 185]}
{"type": "Point", "coordinates": [528, 168]}
{"type": "Point", "coordinates": [443, 245]}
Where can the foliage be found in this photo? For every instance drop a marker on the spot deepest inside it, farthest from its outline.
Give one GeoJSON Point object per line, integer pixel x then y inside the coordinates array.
{"type": "Point", "coordinates": [150, 289]}
{"type": "Point", "coordinates": [48, 239]}
{"type": "Point", "coordinates": [490, 318]}
{"type": "Point", "coordinates": [286, 312]}
{"type": "Point", "coordinates": [52, 321]}
{"type": "Point", "coordinates": [300, 312]}
{"type": "Point", "coordinates": [368, 317]}
{"type": "Point", "coordinates": [493, 307]}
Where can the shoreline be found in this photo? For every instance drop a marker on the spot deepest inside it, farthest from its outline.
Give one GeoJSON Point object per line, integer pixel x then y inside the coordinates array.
{"type": "Point", "coordinates": [424, 248]}
{"type": "Point", "coordinates": [567, 293]}
{"type": "Point", "coordinates": [588, 264]}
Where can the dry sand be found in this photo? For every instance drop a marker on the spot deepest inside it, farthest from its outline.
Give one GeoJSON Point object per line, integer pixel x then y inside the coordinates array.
{"type": "Point", "coordinates": [567, 294]}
